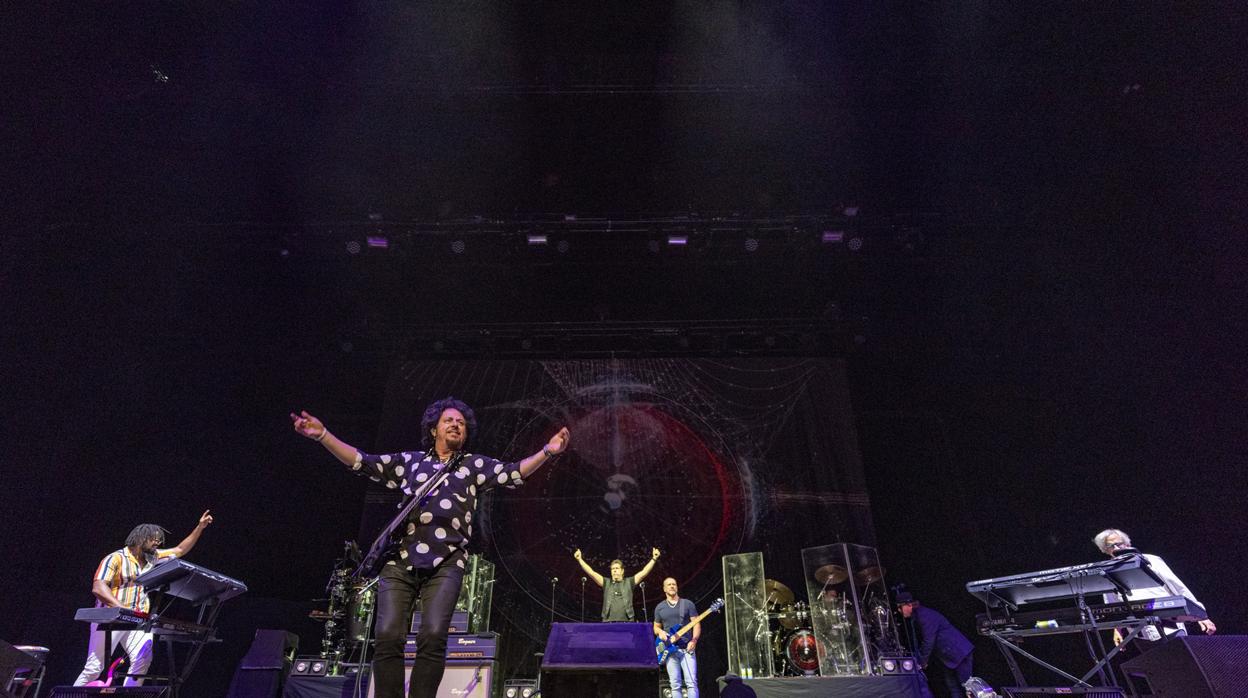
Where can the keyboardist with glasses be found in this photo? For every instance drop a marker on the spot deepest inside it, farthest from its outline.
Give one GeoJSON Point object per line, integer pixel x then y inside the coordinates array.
{"type": "Point", "coordinates": [1114, 542]}
{"type": "Point", "coordinates": [115, 586]}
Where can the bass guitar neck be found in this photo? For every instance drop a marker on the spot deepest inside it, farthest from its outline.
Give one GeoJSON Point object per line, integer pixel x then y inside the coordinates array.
{"type": "Point", "coordinates": [663, 649]}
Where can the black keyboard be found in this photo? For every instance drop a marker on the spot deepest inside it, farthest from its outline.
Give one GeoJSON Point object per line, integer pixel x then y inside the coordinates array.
{"type": "Point", "coordinates": [1125, 572]}
{"type": "Point", "coordinates": [1174, 608]}
{"type": "Point", "coordinates": [126, 618]}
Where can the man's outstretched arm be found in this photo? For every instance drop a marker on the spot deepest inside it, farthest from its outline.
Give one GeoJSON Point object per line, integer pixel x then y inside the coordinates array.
{"type": "Point", "coordinates": [310, 427]}
{"type": "Point", "coordinates": [192, 538]}
{"type": "Point", "coordinates": [588, 570]}
{"type": "Point", "coordinates": [641, 574]}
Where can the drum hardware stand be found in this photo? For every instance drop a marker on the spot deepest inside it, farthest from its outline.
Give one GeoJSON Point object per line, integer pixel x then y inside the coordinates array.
{"type": "Point", "coordinates": [368, 628]}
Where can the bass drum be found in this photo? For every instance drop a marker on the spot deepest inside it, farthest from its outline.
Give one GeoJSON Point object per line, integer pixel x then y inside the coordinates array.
{"type": "Point", "coordinates": [360, 609]}
{"type": "Point", "coordinates": [802, 651]}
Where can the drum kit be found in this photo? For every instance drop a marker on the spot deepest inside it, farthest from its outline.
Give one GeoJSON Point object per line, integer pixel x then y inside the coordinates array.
{"type": "Point", "coordinates": [349, 615]}
{"type": "Point", "coordinates": [795, 648]}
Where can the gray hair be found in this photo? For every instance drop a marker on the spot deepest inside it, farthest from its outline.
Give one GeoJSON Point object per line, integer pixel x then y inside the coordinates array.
{"type": "Point", "coordinates": [1104, 535]}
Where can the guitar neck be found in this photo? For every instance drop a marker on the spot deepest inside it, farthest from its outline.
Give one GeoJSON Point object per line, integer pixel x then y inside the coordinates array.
{"type": "Point", "coordinates": [697, 619]}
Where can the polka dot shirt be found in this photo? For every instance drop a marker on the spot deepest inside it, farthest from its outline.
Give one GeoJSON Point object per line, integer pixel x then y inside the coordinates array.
{"type": "Point", "coordinates": [442, 523]}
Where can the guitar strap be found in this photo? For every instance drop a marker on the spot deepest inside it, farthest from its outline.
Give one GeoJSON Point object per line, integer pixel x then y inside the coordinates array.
{"type": "Point", "coordinates": [377, 550]}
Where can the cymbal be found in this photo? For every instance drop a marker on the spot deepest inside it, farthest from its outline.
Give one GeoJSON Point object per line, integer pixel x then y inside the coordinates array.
{"type": "Point", "coordinates": [867, 575]}
{"type": "Point", "coordinates": [831, 574]}
{"type": "Point", "coordinates": [777, 593]}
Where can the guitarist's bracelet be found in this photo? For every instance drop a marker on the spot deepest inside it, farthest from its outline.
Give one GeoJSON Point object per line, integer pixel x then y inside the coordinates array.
{"type": "Point", "coordinates": [549, 455]}
{"type": "Point", "coordinates": [321, 438]}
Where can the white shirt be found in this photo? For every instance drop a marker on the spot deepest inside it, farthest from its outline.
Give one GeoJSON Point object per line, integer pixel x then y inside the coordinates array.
{"type": "Point", "coordinates": [1170, 585]}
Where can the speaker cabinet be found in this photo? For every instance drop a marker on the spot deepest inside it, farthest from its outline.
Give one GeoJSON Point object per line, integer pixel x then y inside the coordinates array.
{"type": "Point", "coordinates": [463, 679]}
{"type": "Point", "coordinates": [582, 646]}
{"type": "Point", "coordinates": [270, 649]}
{"type": "Point", "coordinates": [262, 671]}
{"type": "Point", "coordinates": [604, 660]}
{"type": "Point", "coordinates": [1193, 667]}
{"type": "Point", "coordinates": [84, 692]}
{"type": "Point", "coordinates": [14, 662]}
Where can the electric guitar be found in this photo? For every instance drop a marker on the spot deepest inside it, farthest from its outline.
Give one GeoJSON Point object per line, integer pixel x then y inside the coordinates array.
{"type": "Point", "coordinates": [674, 633]}
{"type": "Point", "coordinates": [387, 542]}
{"type": "Point", "coordinates": [109, 680]}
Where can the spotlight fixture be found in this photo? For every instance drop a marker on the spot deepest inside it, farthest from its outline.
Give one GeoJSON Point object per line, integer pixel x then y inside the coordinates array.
{"type": "Point", "coordinates": [563, 247]}
{"type": "Point", "coordinates": [751, 245]}
{"type": "Point", "coordinates": [536, 239]}
{"type": "Point", "coordinates": [310, 666]}
{"type": "Point", "coordinates": [520, 688]}
{"type": "Point", "coordinates": [855, 244]}
{"type": "Point", "coordinates": [897, 665]}
{"type": "Point", "coordinates": [831, 237]}
{"type": "Point", "coordinates": [457, 246]}
{"type": "Point", "coordinates": [677, 240]}
{"type": "Point", "coordinates": [380, 242]}
{"type": "Point", "coordinates": [353, 247]}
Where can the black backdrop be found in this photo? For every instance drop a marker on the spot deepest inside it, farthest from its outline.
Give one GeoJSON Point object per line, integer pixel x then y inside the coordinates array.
{"type": "Point", "coordinates": [1066, 354]}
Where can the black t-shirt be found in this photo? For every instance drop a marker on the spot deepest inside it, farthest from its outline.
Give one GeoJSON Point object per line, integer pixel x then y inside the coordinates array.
{"type": "Point", "coordinates": [617, 600]}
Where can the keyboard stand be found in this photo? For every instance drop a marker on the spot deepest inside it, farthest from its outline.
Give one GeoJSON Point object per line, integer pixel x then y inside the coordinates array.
{"type": "Point", "coordinates": [1005, 639]}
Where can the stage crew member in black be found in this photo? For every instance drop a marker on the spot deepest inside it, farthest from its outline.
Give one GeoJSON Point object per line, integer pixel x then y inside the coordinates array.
{"type": "Point", "coordinates": [428, 562]}
{"type": "Point", "coordinates": [937, 640]}
{"type": "Point", "coordinates": [617, 592]}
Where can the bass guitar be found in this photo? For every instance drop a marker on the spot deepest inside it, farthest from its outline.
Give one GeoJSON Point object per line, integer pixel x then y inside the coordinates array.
{"type": "Point", "coordinates": [663, 649]}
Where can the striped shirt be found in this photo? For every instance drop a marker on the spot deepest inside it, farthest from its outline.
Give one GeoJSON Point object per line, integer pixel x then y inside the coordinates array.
{"type": "Point", "coordinates": [119, 570]}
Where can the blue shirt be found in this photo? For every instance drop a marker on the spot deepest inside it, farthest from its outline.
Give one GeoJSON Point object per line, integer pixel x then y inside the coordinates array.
{"type": "Point", "coordinates": [671, 617]}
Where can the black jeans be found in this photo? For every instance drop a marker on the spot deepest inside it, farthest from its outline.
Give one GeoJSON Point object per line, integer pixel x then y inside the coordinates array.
{"type": "Point", "coordinates": [397, 594]}
{"type": "Point", "coordinates": [956, 676]}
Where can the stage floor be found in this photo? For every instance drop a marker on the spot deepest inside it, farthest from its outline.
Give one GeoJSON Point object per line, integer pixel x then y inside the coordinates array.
{"type": "Point", "coordinates": [817, 686]}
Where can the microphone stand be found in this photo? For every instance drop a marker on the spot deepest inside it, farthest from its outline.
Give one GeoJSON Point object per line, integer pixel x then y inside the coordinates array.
{"type": "Point", "coordinates": [553, 582]}
{"type": "Point", "coordinates": [582, 599]}
{"type": "Point", "coordinates": [645, 613]}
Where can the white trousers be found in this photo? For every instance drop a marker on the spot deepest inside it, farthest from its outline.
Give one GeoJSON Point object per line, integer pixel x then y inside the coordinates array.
{"type": "Point", "coordinates": [138, 649]}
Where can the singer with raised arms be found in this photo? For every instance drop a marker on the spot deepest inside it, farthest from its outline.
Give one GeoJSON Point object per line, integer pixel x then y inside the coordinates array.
{"type": "Point", "coordinates": [426, 562]}
{"type": "Point", "coordinates": [617, 592]}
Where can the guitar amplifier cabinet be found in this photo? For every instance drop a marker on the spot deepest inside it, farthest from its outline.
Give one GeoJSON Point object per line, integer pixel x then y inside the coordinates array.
{"type": "Point", "coordinates": [462, 679]}
{"type": "Point", "coordinates": [459, 622]}
{"type": "Point", "coordinates": [481, 646]}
